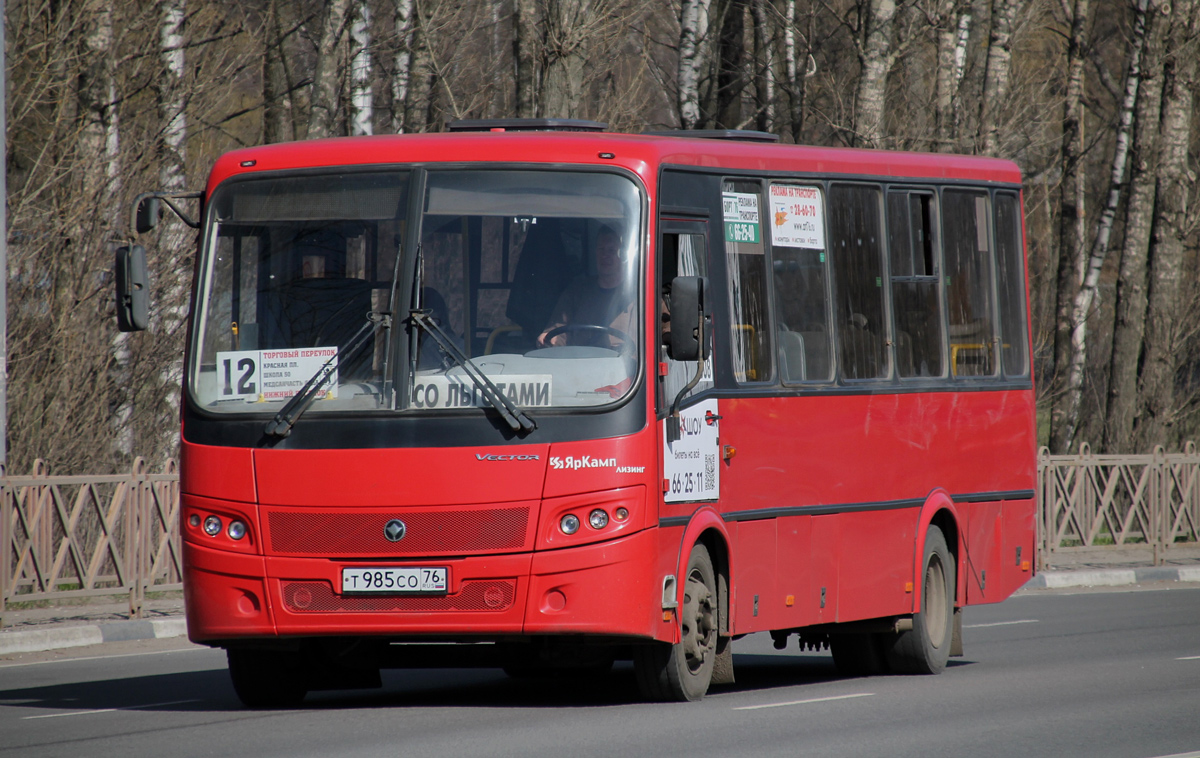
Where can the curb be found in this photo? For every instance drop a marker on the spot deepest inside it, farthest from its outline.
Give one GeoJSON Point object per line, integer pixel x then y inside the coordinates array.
{"type": "Point", "coordinates": [1111, 577]}
{"type": "Point", "coordinates": [53, 637]}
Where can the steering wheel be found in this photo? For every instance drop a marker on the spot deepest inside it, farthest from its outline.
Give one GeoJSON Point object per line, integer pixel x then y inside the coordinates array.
{"type": "Point", "coordinates": [626, 340]}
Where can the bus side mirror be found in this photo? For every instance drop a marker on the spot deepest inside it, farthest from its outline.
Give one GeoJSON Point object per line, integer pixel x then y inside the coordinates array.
{"type": "Point", "coordinates": [147, 214]}
{"type": "Point", "coordinates": [133, 291]}
{"type": "Point", "coordinates": [690, 319]}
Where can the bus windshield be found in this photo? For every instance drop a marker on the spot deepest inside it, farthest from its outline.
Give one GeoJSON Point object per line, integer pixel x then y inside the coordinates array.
{"type": "Point", "coordinates": [531, 275]}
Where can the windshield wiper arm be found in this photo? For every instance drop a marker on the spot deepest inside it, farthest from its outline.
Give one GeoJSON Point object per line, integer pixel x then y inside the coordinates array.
{"type": "Point", "coordinates": [294, 408]}
{"type": "Point", "coordinates": [508, 410]}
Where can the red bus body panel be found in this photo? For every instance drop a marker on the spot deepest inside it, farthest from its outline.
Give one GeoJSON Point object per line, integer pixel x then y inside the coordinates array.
{"type": "Point", "coordinates": [868, 471]}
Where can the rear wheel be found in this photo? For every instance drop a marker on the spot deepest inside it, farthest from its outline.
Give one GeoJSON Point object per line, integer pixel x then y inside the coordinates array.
{"type": "Point", "coordinates": [683, 671]}
{"type": "Point", "coordinates": [267, 678]}
{"type": "Point", "coordinates": [926, 647]}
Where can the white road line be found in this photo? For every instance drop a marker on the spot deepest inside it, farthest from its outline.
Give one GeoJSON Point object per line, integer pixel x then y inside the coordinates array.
{"type": "Point", "coordinates": [1000, 623]}
{"type": "Point", "coordinates": [105, 657]}
{"type": "Point", "coordinates": [106, 710]}
{"type": "Point", "coordinates": [1193, 754]}
{"type": "Point", "coordinates": [803, 702]}
{"type": "Point", "coordinates": [1187, 658]}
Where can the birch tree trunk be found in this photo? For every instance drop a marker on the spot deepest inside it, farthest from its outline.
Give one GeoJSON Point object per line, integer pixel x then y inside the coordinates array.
{"type": "Point", "coordinates": [875, 58]}
{"type": "Point", "coordinates": [945, 82]}
{"type": "Point", "coordinates": [1154, 424]}
{"type": "Point", "coordinates": [277, 108]}
{"type": "Point", "coordinates": [693, 33]}
{"type": "Point", "coordinates": [1130, 310]}
{"type": "Point", "coordinates": [527, 20]}
{"type": "Point", "coordinates": [1072, 225]}
{"type": "Point", "coordinates": [362, 96]}
{"type": "Point", "coordinates": [403, 22]}
{"type": "Point", "coordinates": [323, 107]}
{"type": "Point", "coordinates": [172, 265]}
{"type": "Point", "coordinates": [764, 67]}
{"type": "Point", "coordinates": [1084, 300]}
{"type": "Point", "coordinates": [998, 74]}
{"type": "Point", "coordinates": [420, 89]}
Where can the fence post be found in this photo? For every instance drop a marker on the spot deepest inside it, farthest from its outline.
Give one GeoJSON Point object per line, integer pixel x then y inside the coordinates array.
{"type": "Point", "coordinates": [5, 541]}
{"type": "Point", "coordinates": [1045, 494]}
{"type": "Point", "coordinates": [1159, 508]}
{"type": "Point", "coordinates": [136, 521]}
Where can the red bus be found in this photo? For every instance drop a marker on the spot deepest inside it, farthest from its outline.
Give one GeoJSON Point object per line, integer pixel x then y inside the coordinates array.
{"type": "Point", "coordinates": [532, 395]}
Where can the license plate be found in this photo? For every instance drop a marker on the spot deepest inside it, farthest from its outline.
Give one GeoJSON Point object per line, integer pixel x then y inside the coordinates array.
{"type": "Point", "coordinates": [389, 580]}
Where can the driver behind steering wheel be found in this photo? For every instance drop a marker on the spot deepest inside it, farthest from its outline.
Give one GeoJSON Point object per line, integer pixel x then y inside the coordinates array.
{"type": "Point", "coordinates": [591, 308]}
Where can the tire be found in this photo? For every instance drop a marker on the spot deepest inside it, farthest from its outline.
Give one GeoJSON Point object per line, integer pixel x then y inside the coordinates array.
{"type": "Point", "coordinates": [926, 647]}
{"type": "Point", "coordinates": [267, 678]}
{"type": "Point", "coordinates": [858, 654]}
{"type": "Point", "coordinates": [683, 671]}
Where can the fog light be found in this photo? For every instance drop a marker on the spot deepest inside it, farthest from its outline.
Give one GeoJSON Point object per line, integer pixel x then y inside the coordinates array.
{"type": "Point", "coordinates": [212, 526]}
{"type": "Point", "coordinates": [621, 514]}
{"type": "Point", "coordinates": [237, 530]}
{"type": "Point", "coordinates": [569, 523]}
{"type": "Point", "coordinates": [194, 520]}
{"type": "Point", "coordinates": [598, 518]}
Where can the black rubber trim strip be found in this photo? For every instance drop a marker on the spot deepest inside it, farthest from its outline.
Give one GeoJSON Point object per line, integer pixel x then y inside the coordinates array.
{"type": "Point", "coordinates": [990, 497]}
{"type": "Point", "coordinates": [823, 510]}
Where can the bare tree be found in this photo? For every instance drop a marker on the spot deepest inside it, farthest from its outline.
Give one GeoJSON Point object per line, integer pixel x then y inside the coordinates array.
{"type": "Point", "coordinates": [1082, 312]}
{"type": "Point", "coordinates": [1171, 228]}
{"type": "Point", "coordinates": [876, 55]}
{"type": "Point", "coordinates": [403, 21]}
{"type": "Point", "coordinates": [362, 96]}
{"type": "Point", "coordinates": [1130, 318]}
{"type": "Point", "coordinates": [325, 79]}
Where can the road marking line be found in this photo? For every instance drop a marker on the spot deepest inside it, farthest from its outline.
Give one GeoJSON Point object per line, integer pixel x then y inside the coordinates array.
{"type": "Point", "coordinates": [1000, 623]}
{"type": "Point", "coordinates": [1193, 754]}
{"type": "Point", "coordinates": [1186, 658]}
{"type": "Point", "coordinates": [803, 702]}
{"type": "Point", "coordinates": [107, 710]}
{"type": "Point", "coordinates": [105, 657]}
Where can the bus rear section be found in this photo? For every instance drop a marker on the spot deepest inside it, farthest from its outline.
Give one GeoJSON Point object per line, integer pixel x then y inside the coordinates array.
{"type": "Point", "coordinates": [592, 403]}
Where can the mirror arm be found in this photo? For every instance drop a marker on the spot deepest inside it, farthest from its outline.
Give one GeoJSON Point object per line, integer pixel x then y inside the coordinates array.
{"type": "Point", "coordinates": [166, 197]}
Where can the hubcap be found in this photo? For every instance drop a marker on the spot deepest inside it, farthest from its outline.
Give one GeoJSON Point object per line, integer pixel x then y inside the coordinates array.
{"type": "Point", "coordinates": [935, 602]}
{"type": "Point", "coordinates": [699, 623]}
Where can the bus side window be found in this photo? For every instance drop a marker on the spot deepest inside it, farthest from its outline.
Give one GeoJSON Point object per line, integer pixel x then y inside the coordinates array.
{"type": "Point", "coordinates": [912, 244]}
{"type": "Point", "coordinates": [1010, 275]}
{"type": "Point", "coordinates": [856, 242]}
{"type": "Point", "coordinates": [801, 282]}
{"type": "Point", "coordinates": [969, 282]}
{"type": "Point", "coordinates": [746, 272]}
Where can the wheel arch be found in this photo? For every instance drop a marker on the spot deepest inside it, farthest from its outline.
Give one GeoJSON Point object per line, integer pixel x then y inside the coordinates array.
{"type": "Point", "coordinates": [940, 511]}
{"type": "Point", "coordinates": [707, 528]}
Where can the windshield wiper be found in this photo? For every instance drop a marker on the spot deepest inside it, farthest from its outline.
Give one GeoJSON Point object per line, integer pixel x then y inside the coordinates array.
{"type": "Point", "coordinates": [508, 410]}
{"type": "Point", "coordinates": [294, 408]}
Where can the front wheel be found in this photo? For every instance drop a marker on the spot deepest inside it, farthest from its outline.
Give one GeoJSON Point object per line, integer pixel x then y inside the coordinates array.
{"type": "Point", "coordinates": [925, 648]}
{"type": "Point", "coordinates": [684, 670]}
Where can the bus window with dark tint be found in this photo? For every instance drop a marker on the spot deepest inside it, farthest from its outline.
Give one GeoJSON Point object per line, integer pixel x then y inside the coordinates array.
{"type": "Point", "coordinates": [746, 269]}
{"type": "Point", "coordinates": [856, 243]}
{"type": "Point", "coordinates": [913, 246]}
{"type": "Point", "coordinates": [1010, 275]}
{"type": "Point", "coordinates": [801, 281]}
{"type": "Point", "coordinates": [969, 283]}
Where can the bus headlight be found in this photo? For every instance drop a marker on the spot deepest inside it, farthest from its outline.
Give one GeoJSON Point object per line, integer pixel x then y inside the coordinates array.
{"type": "Point", "coordinates": [212, 526]}
{"type": "Point", "coordinates": [569, 524]}
{"type": "Point", "coordinates": [237, 530]}
{"type": "Point", "coordinates": [598, 518]}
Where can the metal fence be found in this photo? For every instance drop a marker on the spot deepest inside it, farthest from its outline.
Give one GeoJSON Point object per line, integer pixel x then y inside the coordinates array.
{"type": "Point", "coordinates": [67, 537]}
{"type": "Point", "coordinates": [1087, 500]}
{"type": "Point", "coordinates": [78, 536]}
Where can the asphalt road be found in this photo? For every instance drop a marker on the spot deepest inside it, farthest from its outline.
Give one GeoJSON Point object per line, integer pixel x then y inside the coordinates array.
{"type": "Point", "coordinates": [1092, 675]}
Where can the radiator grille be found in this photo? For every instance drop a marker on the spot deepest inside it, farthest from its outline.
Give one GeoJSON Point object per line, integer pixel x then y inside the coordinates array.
{"type": "Point", "coordinates": [318, 597]}
{"type": "Point", "coordinates": [441, 532]}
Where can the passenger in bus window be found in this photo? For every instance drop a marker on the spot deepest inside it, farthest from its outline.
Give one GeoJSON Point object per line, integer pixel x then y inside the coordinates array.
{"type": "Point", "coordinates": [591, 309]}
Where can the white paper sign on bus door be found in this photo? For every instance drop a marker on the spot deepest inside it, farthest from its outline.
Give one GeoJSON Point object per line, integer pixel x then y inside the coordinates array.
{"type": "Point", "coordinates": [691, 463]}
